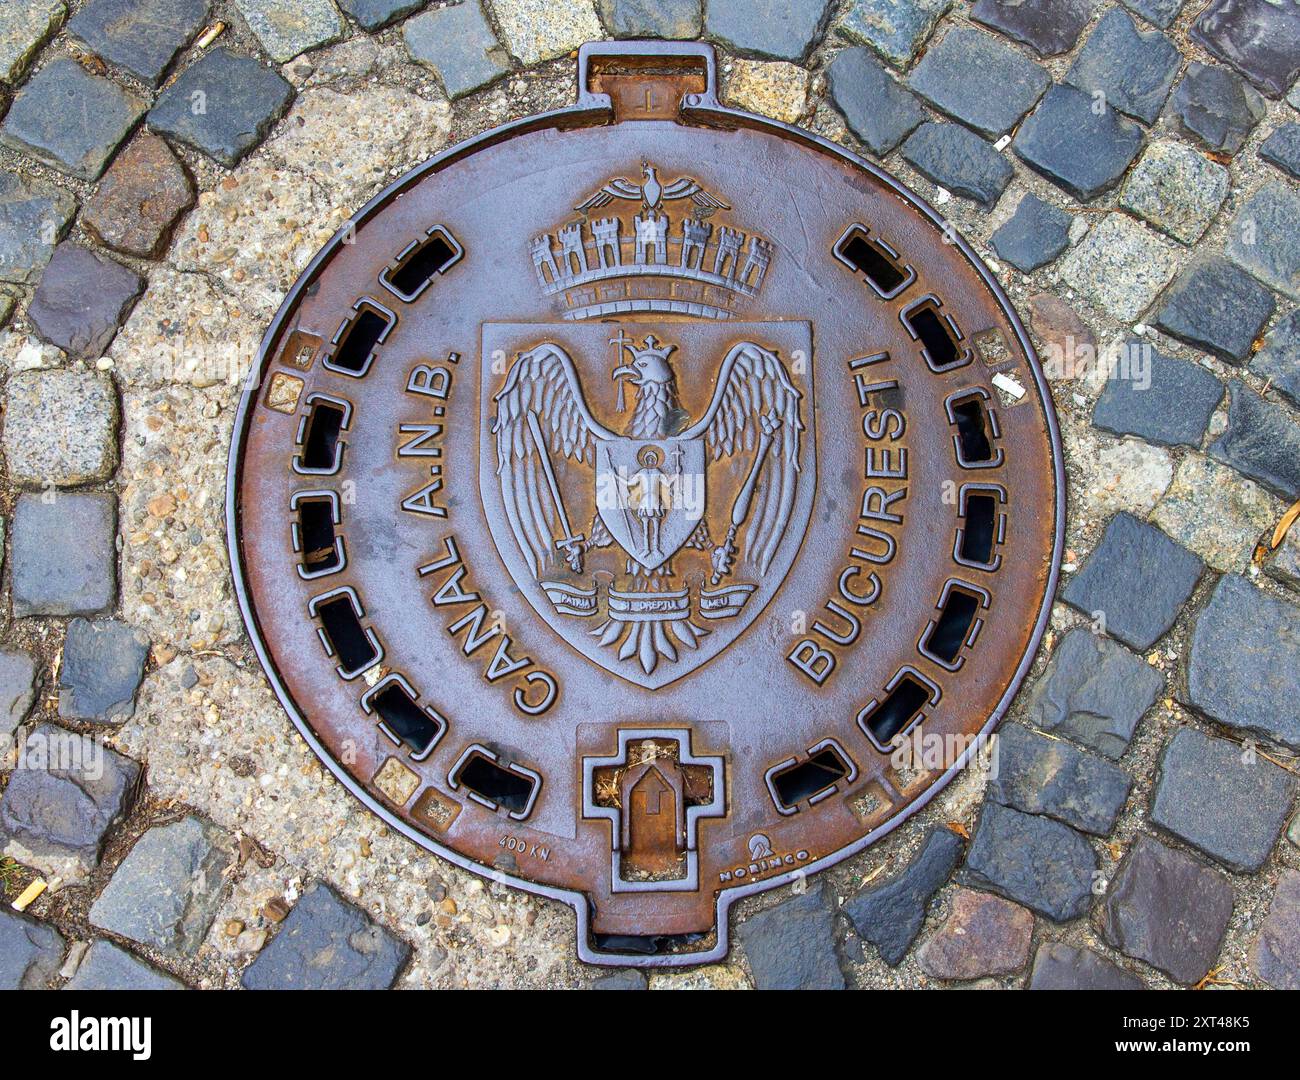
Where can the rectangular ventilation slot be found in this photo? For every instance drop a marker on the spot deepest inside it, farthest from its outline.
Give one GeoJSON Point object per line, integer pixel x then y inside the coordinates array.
{"type": "Point", "coordinates": [977, 532]}
{"type": "Point", "coordinates": [316, 532]}
{"type": "Point", "coordinates": [973, 431]}
{"type": "Point", "coordinates": [878, 267]}
{"type": "Point", "coordinates": [321, 444]}
{"type": "Point", "coordinates": [802, 781]}
{"type": "Point", "coordinates": [949, 633]}
{"type": "Point", "coordinates": [935, 336]}
{"type": "Point", "coordinates": [359, 340]}
{"type": "Point", "coordinates": [405, 719]}
{"type": "Point", "coordinates": [893, 714]}
{"type": "Point", "coordinates": [416, 270]}
{"type": "Point", "coordinates": [349, 640]}
{"type": "Point", "coordinates": [490, 781]}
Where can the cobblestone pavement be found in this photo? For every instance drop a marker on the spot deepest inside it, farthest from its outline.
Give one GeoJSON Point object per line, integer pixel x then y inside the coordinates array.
{"type": "Point", "coordinates": [1131, 174]}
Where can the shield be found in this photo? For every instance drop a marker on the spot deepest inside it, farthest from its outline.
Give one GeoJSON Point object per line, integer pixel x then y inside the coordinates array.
{"type": "Point", "coordinates": [650, 495]}
{"type": "Point", "coordinates": [650, 553]}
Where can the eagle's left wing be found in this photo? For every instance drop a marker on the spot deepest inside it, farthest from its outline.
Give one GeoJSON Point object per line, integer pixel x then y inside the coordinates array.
{"type": "Point", "coordinates": [618, 188]}
{"type": "Point", "coordinates": [754, 384]}
{"type": "Point", "coordinates": [541, 417]}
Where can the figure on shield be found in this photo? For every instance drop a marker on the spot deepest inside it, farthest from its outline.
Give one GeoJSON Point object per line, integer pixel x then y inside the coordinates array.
{"type": "Point", "coordinates": [650, 494]}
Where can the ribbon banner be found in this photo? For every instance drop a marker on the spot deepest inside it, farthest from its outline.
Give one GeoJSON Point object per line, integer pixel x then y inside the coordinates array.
{"type": "Point", "coordinates": [572, 601]}
{"type": "Point", "coordinates": [626, 607]}
{"type": "Point", "coordinates": [725, 603]}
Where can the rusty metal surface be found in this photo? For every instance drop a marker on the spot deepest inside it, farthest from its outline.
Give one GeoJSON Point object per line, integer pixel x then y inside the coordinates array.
{"type": "Point", "coordinates": [622, 488]}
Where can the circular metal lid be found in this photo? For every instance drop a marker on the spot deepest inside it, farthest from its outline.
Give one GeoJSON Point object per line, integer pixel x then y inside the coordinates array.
{"type": "Point", "coordinates": [646, 503]}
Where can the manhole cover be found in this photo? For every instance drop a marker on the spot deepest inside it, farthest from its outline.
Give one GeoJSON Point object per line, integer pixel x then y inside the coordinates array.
{"type": "Point", "coordinates": [623, 487]}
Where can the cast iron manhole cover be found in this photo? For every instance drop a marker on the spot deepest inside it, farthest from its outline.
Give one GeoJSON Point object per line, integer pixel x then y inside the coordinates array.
{"type": "Point", "coordinates": [615, 493]}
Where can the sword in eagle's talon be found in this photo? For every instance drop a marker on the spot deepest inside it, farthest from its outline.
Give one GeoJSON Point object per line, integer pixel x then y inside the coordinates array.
{"type": "Point", "coordinates": [724, 556]}
{"type": "Point", "coordinates": [571, 542]}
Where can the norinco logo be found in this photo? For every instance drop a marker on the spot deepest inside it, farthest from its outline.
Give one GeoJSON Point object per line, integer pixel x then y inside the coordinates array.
{"type": "Point", "coordinates": [762, 860]}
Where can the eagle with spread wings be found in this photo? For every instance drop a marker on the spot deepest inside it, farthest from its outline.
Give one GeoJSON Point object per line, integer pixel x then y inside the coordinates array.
{"type": "Point", "coordinates": [542, 417]}
{"type": "Point", "coordinates": [652, 193]}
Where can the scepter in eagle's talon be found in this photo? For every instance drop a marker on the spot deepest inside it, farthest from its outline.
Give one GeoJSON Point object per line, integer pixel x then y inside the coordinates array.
{"type": "Point", "coordinates": [724, 556]}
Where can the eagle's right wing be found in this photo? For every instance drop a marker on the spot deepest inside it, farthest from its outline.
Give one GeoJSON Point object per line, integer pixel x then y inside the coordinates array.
{"type": "Point", "coordinates": [688, 187]}
{"type": "Point", "coordinates": [754, 391]}
{"type": "Point", "coordinates": [542, 382]}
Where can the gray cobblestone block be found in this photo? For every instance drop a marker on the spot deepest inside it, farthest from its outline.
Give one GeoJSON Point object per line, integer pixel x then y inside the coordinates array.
{"type": "Point", "coordinates": [1043, 775]}
{"type": "Point", "coordinates": [1282, 148]}
{"type": "Point", "coordinates": [1161, 13]}
{"type": "Point", "coordinates": [1262, 441]}
{"type": "Point", "coordinates": [30, 953]}
{"type": "Point", "coordinates": [107, 967]}
{"type": "Point", "coordinates": [458, 45]}
{"type": "Point", "coordinates": [1229, 802]}
{"type": "Point", "coordinates": [286, 28]}
{"type": "Point", "coordinates": [17, 689]}
{"type": "Point", "coordinates": [1259, 38]}
{"type": "Point", "coordinates": [1167, 401]}
{"type": "Point", "coordinates": [1216, 307]}
{"type": "Point", "coordinates": [979, 80]}
{"type": "Point", "coordinates": [140, 36]}
{"type": "Point", "coordinates": [1133, 70]}
{"type": "Point", "coordinates": [33, 218]}
{"type": "Point", "coordinates": [896, 29]}
{"type": "Point", "coordinates": [223, 105]}
{"type": "Point", "coordinates": [64, 554]}
{"type": "Point", "coordinates": [1074, 147]}
{"type": "Point", "coordinates": [651, 18]}
{"type": "Point", "coordinates": [1048, 27]}
{"type": "Point", "coordinates": [1032, 860]}
{"type": "Point", "coordinates": [877, 109]}
{"type": "Point", "coordinates": [627, 979]}
{"type": "Point", "coordinates": [955, 158]}
{"type": "Point", "coordinates": [24, 28]}
{"type": "Point", "coordinates": [82, 300]}
{"type": "Point", "coordinates": [1263, 240]}
{"type": "Point", "coordinates": [890, 914]}
{"type": "Point", "coordinates": [1034, 235]}
{"type": "Point", "coordinates": [327, 944]}
{"type": "Point", "coordinates": [103, 663]}
{"type": "Point", "coordinates": [1283, 565]}
{"type": "Point", "coordinates": [166, 891]}
{"type": "Point", "coordinates": [1120, 266]}
{"type": "Point", "coordinates": [776, 29]}
{"type": "Point", "coordinates": [1167, 909]}
{"type": "Point", "coordinates": [1094, 691]}
{"type": "Point", "coordinates": [1279, 359]}
{"type": "Point", "coordinates": [1217, 107]}
{"type": "Point", "coordinates": [374, 15]}
{"type": "Point", "coordinates": [791, 946]}
{"type": "Point", "coordinates": [70, 120]}
{"type": "Point", "coordinates": [60, 428]}
{"type": "Point", "coordinates": [66, 794]}
{"type": "Point", "coordinates": [1276, 955]}
{"type": "Point", "coordinates": [1137, 578]}
{"type": "Point", "coordinates": [1058, 966]}
{"type": "Point", "coordinates": [1177, 189]}
{"type": "Point", "coordinates": [1242, 669]}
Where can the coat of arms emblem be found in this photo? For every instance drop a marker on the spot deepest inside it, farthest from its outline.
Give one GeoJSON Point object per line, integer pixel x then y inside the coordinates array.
{"type": "Point", "coordinates": [656, 473]}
